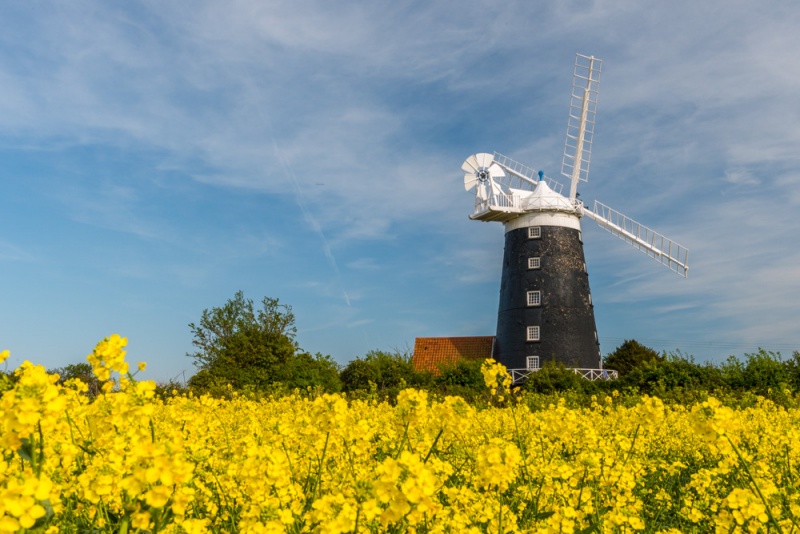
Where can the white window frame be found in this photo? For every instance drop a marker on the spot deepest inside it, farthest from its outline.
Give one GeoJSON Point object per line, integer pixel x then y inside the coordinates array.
{"type": "Point", "coordinates": [534, 262]}
{"type": "Point", "coordinates": [534, 232]}
{"type": "Point", "coordinates": [532, 333]}
{"type": "Point", "coordinates": [532, 363]}
{"type": "Point", "coordinates": [534, 298]}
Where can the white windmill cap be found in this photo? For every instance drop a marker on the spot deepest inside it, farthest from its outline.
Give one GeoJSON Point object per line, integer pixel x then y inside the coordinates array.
{"type": "Point", "coordinates": [545, 199]}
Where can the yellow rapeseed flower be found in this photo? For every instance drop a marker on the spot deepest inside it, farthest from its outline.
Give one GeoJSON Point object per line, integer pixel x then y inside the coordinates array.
{"type": "Point", "coordinates": [328, 463]}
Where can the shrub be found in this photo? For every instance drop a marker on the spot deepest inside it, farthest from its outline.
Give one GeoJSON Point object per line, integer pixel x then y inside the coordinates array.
{"type": "Point", "coordinates": [554, 377]}
{"type": "Point", "coordinates": [630, 355]}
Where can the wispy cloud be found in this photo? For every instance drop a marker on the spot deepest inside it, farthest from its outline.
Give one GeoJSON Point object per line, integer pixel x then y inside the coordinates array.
{"type": "Point", "coordinates": [12, 252]}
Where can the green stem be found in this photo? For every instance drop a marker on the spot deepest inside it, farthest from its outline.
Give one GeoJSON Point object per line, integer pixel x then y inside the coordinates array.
{"type": "Point", "coordinates": [220, 492]}
{"type": "Point", "coordinates": [402, 442]}
{"type": "Point", "coordinates": [289, 460]}
{"type": "Point", "coordinates": [583, 479]}
{"type": "Point", "coordinates": [315, 486]}
{"type": "Point", "coordinates": [433, 446]}
{"type": "Point", "coordinates": [524, 452]}
{"type": "Point", "coordinates": [755, 485]}
{"type": "Point", "coordinates": [41, 450]}
{"type": "Point", "coordinates": [633, 444]}
{"type": "Point", "coordinates": [500, 517]}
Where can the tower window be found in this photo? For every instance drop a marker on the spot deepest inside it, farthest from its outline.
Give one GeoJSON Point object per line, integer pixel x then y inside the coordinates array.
{"type": "Point", "coordinates": [532, 363]}
{"type": "Point", "coordinates": [534, 263]}
{"type": "Point", "coordinates": [534, 232]}
{"type": "Point", "coordinates": [533, 333]}
{"type": "Point", "coordinates": [534, 298]}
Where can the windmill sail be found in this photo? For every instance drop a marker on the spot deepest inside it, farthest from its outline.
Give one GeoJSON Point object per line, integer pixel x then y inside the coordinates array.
{"type": "Point", "coordinates": [524, 173]}
{"type": "Point", "coordinates": [660, 248]}
{"type": "Point", "coordinates": [580, 125]}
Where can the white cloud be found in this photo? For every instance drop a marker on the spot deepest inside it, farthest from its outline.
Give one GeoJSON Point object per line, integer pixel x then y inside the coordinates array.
{"type": "Point", "coordinates": [740, 177]}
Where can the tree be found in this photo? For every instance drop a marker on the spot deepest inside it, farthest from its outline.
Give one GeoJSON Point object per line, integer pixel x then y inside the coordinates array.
{"type": "Point", "coordinates": [306, 370]}
{"type": "Point", "coordinates": [676, 377]}
{"type": "Point", "coordinates": [358, 374]}
{"type": "Point", "coordinates": [81, 371]}
{"type": "Point", "coordinates": [243, 346]}
{"type": "Point", "coordinates": [461, 378]}
{"type": "Point", "coordinates": [385, 369]}
{"type": "Point", "coordinates": [629, 356]}
{"type": "Point", "coordinates": [761, 372]}
{"type": "Point", "coordinates": [793, 369]}
{"type": "Point", "coordinates": [463, 373]}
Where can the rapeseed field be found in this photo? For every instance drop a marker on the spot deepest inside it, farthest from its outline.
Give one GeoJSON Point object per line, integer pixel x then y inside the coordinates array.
{"type": "Point", "coordinates": [129, 461]}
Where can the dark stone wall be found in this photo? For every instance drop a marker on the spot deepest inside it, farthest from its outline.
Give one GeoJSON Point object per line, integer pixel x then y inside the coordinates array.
{"type": "Point", "coordinates": [565, 316]}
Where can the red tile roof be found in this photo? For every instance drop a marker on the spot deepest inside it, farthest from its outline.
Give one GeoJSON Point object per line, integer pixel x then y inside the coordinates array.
{"type": "Point", "coordinates": [430, 353]}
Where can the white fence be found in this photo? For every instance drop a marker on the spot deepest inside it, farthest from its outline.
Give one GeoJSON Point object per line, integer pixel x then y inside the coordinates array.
{"type": "Point", "coordinates": [519, 375]}
{"type": "Point", "coordinates": [503, 201]}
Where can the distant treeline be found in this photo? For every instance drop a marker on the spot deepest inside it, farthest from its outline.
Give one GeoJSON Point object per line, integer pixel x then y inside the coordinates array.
{"type": "Point", "coordinates": [670, 376]}
{"type": "Point", "coordinates": [245, 349]}
{"type": "Point", "coordinates": [674, 377]}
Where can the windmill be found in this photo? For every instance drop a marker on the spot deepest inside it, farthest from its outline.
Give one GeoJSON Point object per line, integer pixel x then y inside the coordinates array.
{"type": "Point", "coordinates": [546, 310]}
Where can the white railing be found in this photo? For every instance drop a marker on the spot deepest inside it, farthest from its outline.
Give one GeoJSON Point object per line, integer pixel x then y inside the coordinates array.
{"type": "Point", "coordinates": [597, 374]}
{"type": "Point", "coordinates": [510, 202]}
{"type": "Point", "coordinates": [519, 375]}
{"type": "Point", "coordinates": [505, 201]}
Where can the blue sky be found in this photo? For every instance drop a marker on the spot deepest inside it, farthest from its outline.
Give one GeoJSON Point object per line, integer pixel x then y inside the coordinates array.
{"type": "Point", "coordinates": [156, 157]}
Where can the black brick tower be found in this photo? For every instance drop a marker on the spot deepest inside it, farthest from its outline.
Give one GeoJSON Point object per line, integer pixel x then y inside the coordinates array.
{"type": "Point", "coordinates": [548, 260]}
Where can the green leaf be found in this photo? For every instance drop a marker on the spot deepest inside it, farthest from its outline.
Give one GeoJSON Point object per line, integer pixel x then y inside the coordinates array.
{"type": "Point", "coordinates": [26, 450]}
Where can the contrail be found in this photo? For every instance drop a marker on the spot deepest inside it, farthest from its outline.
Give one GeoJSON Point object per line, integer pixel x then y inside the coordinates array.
{"type": "Point", "coordinates": [307, 215]}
